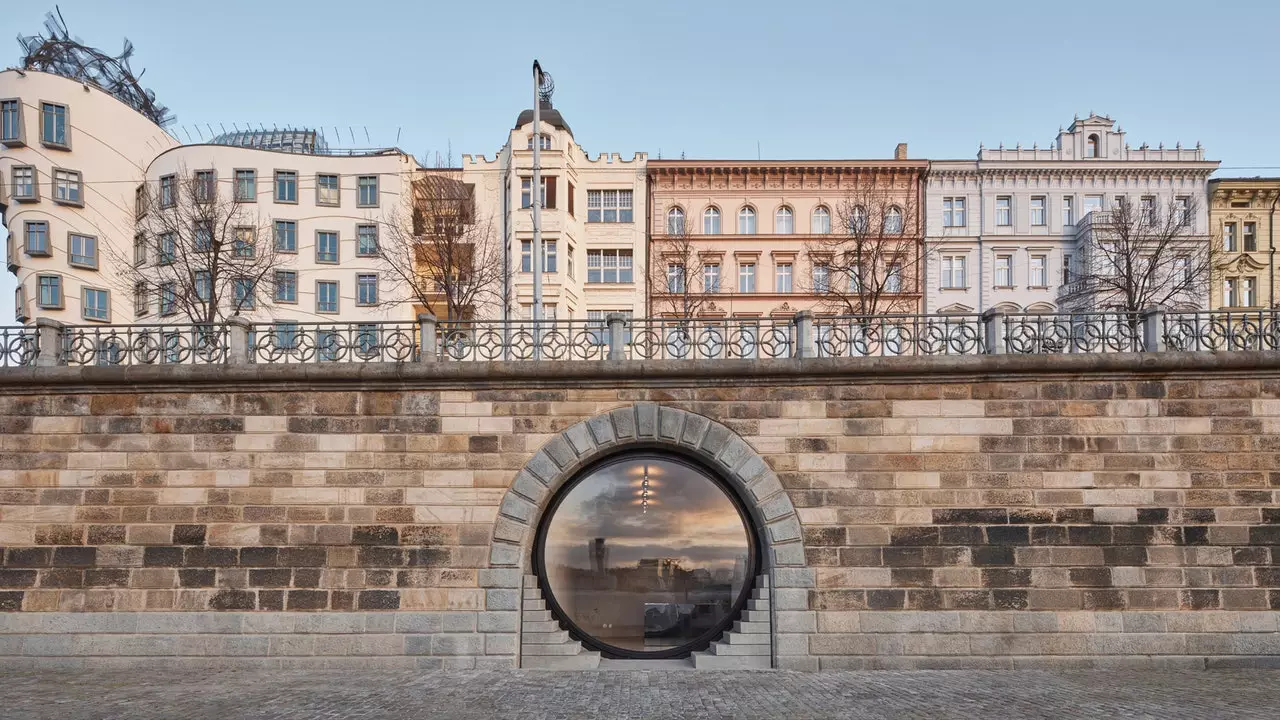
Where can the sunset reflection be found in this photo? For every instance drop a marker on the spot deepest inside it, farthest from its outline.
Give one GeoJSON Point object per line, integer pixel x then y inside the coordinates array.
{"type": "Point", "coordinates": [646, 554]}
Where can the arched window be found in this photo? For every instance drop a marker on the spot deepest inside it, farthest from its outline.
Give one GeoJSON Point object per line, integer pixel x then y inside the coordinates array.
{"type": "Point", "coordinates": [858, 224]}
{"type": "Point", "coordinates": [893, 221]}
{"type": "Point", "coordinates": [1091, 148]}
{"type": "Point", "coordinates": [821, 220]}
{"type": "Point", "coordinates": [545, 144]}
{"type": "Point", "coordinates": [784, 222]}
{"type": "Point", "coordinates": [711, 221]}
{"type": "Point", "coordinates": [675, 221]}
{"type": "Point", "coordinates": [746, 221]}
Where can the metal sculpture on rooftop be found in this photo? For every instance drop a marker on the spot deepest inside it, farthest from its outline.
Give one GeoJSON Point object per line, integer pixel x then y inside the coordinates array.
{"type": "Point", "coordinates": [57, 52]}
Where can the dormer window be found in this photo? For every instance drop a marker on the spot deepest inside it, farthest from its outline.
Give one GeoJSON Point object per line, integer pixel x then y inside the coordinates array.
{"type": "Point", "coordinates": [543, 144]}
{"type": "Point", "coordinates": [1091, 147]}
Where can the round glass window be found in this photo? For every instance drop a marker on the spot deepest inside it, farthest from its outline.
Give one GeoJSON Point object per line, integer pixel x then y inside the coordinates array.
{"type": "Point", "coordinates": [646, 556]}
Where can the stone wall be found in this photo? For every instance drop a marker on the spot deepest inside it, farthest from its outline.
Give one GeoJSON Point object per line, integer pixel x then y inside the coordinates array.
{"type": "Point", "coordinates": [986, 511]}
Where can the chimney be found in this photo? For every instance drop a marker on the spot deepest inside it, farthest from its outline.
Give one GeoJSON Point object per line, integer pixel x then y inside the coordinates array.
{"type": "Point", "coordinates": [900, 153]}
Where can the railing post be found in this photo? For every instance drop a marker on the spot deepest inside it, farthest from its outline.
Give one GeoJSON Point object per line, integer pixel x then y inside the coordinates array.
{"type": "Point", "coordinates": [238, 340]}
{"type": "Point", "coordinates": [617, 335]}
{"type": "Point", "coordinates": [804, 334]}
{"type": "Point", "coordinates": [1152, 320]}
{"type": "Point", "coordinates": [993, 330]}
{"type": "Point", "coordinates": [49, 342]}
{"type": "Point", "coordinates": [427, 341]}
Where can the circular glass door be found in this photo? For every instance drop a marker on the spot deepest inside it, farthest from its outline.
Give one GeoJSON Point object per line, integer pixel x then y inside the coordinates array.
{"type": "Point", "coordinates": [646, 556]}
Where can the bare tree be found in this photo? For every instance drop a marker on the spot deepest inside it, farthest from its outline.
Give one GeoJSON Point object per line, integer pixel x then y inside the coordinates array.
{"type": "Point", "coordinates": [443, 257]}
{"type": "Point", "coordinates": [1142, 256]}
{"type": "Point", "coordinates": [677, 277]}
{"type": "Point", "coordinates": [872, 261]}
{"type": "Point", "coordinates": [199, 251]}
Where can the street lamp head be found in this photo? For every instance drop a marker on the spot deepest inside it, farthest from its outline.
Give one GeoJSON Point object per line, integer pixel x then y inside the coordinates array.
{"type": "Point", "coordinates": [546, 86]}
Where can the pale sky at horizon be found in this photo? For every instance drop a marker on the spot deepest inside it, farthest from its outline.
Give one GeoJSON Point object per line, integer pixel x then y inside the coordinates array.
{"type": "Point", "coordinates": [804, 79]}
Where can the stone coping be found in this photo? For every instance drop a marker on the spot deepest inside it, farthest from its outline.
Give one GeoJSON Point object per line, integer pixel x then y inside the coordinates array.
{"type": "Point", "coordinates": [638, 373]}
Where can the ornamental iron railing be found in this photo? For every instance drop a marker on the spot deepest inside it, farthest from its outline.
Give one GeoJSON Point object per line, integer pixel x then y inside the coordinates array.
{"type": "Point", "coordinates": [619, 337]}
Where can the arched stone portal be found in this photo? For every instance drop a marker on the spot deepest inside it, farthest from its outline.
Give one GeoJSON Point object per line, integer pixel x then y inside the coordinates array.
{"type": "Point", "coordinates": [651, 426]}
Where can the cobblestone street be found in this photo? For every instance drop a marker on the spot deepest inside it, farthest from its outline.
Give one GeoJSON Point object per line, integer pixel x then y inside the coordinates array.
{"type": "Point", "coordinates": [639, 694]}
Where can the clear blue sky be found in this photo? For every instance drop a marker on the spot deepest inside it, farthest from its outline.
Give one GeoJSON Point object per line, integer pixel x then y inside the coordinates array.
{"type": "Point", "coordinates": [711, 78]}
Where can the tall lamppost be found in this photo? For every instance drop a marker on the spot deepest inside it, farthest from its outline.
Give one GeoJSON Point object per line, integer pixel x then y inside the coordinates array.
{"type": "Point", "coordinates": [543, 87]}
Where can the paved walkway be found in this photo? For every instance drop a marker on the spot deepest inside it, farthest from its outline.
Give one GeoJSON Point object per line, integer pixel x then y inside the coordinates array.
{"type": "Point", "coordinates": [532, 695]}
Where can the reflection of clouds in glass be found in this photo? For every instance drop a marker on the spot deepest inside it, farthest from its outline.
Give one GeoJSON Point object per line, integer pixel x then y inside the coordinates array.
{"type": "Point", "coordinates": [691, 518]}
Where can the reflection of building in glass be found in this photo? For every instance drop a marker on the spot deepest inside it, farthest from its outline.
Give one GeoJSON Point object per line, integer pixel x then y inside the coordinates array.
{"type": "Point", "coordinates": [664, 568]}
{"type": "Point", "coordinates": [599, 555]}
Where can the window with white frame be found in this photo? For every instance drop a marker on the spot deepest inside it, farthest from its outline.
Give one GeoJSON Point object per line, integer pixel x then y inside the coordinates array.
{"type": "Point", "coordinates": [784, 221]}
{"type": "Point", "coordinates": [858, 223]}
{"type": "Point", "coordinates": [609, 206]}
{"type": "Point", "coordinates": [953, 212]}
{"type": "Point", "coordinates": [204, 186]}
{"type": "Point", "coordinates": [1067, 269]}
{"type": "Point", "coordinates": [168, 298]}
{"type": "Point", "coordinates": [821, 223]}
{"type": "Point", "coordinates": [168, 190]}
{"type": "Point", "coordinates": [548, 256]}
{"type": "Point", "coordinates": [544, 142]}
{"type": "Point", "coordinates": [1004, 271]}
{"type": "Point", "coordinates": [711, 221]}
{"type": "Point", "coordinates": [367, 191]}
{"type": "Point", "coordinates": [1039, 214]}
{"type": "Point", "coordinates": [1149, 213]}
{"type": "Point", "coordinates": [1229, 237]}
{"type": "Point", "coordinates": [49, 291]}
{"type": "Point", "coordinates": [286, 236]}
{"type": "Point", "coordinates": [242, 293]}
{"type": "Point", "coordinates": [955, 272]}
{"type": "Point", "coordinates": [1092, 204]}
{"type": "Point", "coordinates": [1068, 210]}
{"type": "Point", "coordinates": [711, 277]}
{"type": "Point", "coordinates": [782, 278]}
{"type": "Point", "coordinates": [95, 304]}
{"type": "Point", "coordinates": [1249, 236]}
{"type": "Point", "coordinates": [1231, 291]}
{"type": "Point", "coordinates": [286, 186]}
{"type": "Point", "coordinates": [609, 266]}
{"type": "Point", "coordinates": [675, 278]}
{"type": "Point", "coordinates": [366, 240]}
{"type": "Point", "coordinates": [327, 189]}
{"type": "Point", "coordinates": [23, 185]}
{"type": "Point", "coordinates": [675, 221]}
{"type": "Point", "coordinates": [203, 285]}
{"type": "Point", "coordinates": [893, 221]}
{"type": "Point", "coordinates": [1118, 202]}
{"type": "Point", "coordinates": [569, 261]}
{"type": "Point", "coordinates": [326, 246]}
{"type": "Point", "coordinates": [893, 278]}
{"type": "Point", "coordinates": [286, 286]}
{"type": "Point", "coordinates": [53, 124]}
{"type": "Point", "coordinates": [36, 238]}
{"type": "Point", "coordinates": [526, 194]}
{"type": "Point", "coordinates": [326, 296]}
{"type": "Point", "coordinates": [82, 251]}
{"type": "Point", "coordinates": [202, 235]}
{"type": "Point", "coordinates": [285, 335]}
{"type": "Point", "coordinates": [366, 289]}
{"type": "Point", "coordinates": [1248, 290]}
{"type": "Point", "coordinates": [746, 277]}
{"type": "Point", "coordinates": [1039, 271]}
{"type": "Point", "coordinates": [1004, 210]}
{"type": "Point", "coordinates": [246, 242]}
{"type": "Point", "coordinates": [67, 188]}
{"type": "Point", "coordinates": [1182, 269]}
{"type": "Point", "coordinates": [1182, 205]}
{"type": "Point", "coordinates": [246, 189]}
{"type": "Point", "coordinates": [821, 278]}
{"type": "Point", "coordinates": [746, 221]}
{"type": "Point", "coordinates": [166, 249]}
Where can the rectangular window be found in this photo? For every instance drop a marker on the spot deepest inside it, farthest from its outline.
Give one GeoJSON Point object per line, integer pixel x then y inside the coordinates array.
{"type": "Point", "coordinates": [366, 289]}
{"type": "Point", "coordinates": [286, 233]}
{"type": "Point", "coordinates": [286, 186]}
{"type": "Point", "coordinates": [821, 279]}
{"type": "Point", "coordinates": [286, 286]}
{"type": "Point", "coordinates": [246, 242]}
{"type": "Point", "coordinates": [893, 278]}
{"type": "Point", "coordinates": [747, 277]}
{"type": "Point", "coordinates": [1039, 271]}
{"type": "Point", "coordinates": [203, 285]}
{"type": "Point", "coordinates": [1092, 204]}
{"type": "Point", "coordinates": [141, 301]}
{"type": "Point", "coordinates": [569, 258]}
{"type": "Point", "coordinates": [1248, 286]}
{"type": "Point", "coordinates": [1229, 237]}
{"type": "Point", "coordinates": [1004, 271]}
{"type": "Point", "coordinates": [366, 240]}
{"type": "Point", "coordinates": [202, 236]}
{"type": "Point", "coordinates": [24, 182]}
{"type": "Point", "coordinates": [327, 190]}
{"type": "Point", "coordinates": [11, 122]}
{"type": "Point", "coordinates": [168, 298]}
{"type": "Point", "coordinates": [1249, 234]}
{"type": "Point", "coordinates": [66, 187]}
{"type": "Point", "coordinates": [243, 294]}
{"type": "Point", "coordinates": [675, 278]}
{"type": "Point", "coordinates": [609, 266]}
{"type": "Point", "coordinates": [711, 277]}
{"type": "Point", "coordinates": [326, 296]}
{"type": "Point", "coordinates": [50, 287]}
{"type": "Point", "coordinates": [1118, 202]}
{"type": "Point", "coordinates": [367, 185]}
{"type": "Point", "coordinates": [204, 186]}
{"type": "Point", "coordinates": [1231, 292]}
{"type": "Point", "coordinates": [1183, 206]}
{"type": "Point", "coordinates": [525, 195]}
{"type": "Point", "coordinates": [953, 212]}
{"type": "Point", "coordinates": [782, 278]}
{"type": "Point", "coordinates": [1068, 211]}
{"type": "Point", "coordinates": [548, 256]}
{"type": "Point", "coordinates": [1149, 213]}
{"type": "Point", "coordinates": [53, 125]}
{"type": "Point", "coordinates": [1066, 269]}
{"type": "Point", "coordinates": [246, 186]}
{"type": "Point", "coordinates": [1039, 215]}
{"type": "Point", "coordinates": [955, 272]}
{"type": "Point", "coordinates": [93, 304]}
{"type": "Point", "coordinates": [168, 191]}
{"type": "Point", "coordinates": [140, 201]}
{"type": "Point", "coordinates": [36, 234]}
{"type": "Point", "coordinates": [609, 206]}
{"type": "Point", "coordinates": [326, 246]}
{"type": "Point", "coordinates": [1182, 269]}
{"type": "Point", "coordinates": [1004, 210]}
{"type": "Point", "coordinates": [82, 251]}
{"type": "Point", "coordinates": [286, 335]}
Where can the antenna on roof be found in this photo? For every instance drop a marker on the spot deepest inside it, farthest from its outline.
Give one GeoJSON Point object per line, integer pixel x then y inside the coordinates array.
{"type": "Point", "coordinates": [224, 127]}
{"type": "Point", "coordinates": [366, 134]}
{"type": "Point", "coordinates": [184, 130]}
{"type": "Point", "coordinates": [352, 133]}
{"type": "Point", "coordinates": [757, 149]}
{"type": "Point", "coordinates": [397, 136]}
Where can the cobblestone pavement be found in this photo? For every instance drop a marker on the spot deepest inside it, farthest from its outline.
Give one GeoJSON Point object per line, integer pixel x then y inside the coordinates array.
{"type": "Point", "coordinates": [640, 694]}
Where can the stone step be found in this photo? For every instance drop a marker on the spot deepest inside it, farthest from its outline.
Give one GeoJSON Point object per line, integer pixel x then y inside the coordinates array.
{"type": "Point", "coordinates": [530, 581]}
{"type": "Point", "coordinates": [536, 616]}
{"type": "Point", "coordinates": [736, 638]}
{"type": "Point", "coordinates": [545, 638]}
{"type": "Point", "coordinates": [540, 626]}
{"type": "Point", "coordinates": [755, 628]}
{"type": "Point", "coordinates": [759, 594]}
{"type": "Point", "coordinates": [532, 594]}
{"type": "Point", "coordinates": [582, 661]}
{"type": "Point", "coordinates": [534, 604]}
{"type": "Point", "coordinates": [568, 648]}
{"type": "Point", "coordinates": [707, 661]}
{"type": "Point", "coordinates": [724, 648]}
{"type": "Point", "coordinates": [762, 581]}
{"type": "Point", "coordinates": [760, 616]}
{"type": "Point", "coordinates": [760, 605]}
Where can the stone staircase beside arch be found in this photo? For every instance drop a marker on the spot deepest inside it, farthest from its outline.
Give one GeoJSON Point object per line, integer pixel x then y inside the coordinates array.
{"type": "Point", "coordinates": [749, 645]}
{"type": "Point", "coordinates": [544, 645]}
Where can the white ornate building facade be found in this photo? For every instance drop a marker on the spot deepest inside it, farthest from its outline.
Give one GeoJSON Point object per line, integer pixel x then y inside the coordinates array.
{"type": "Point", "coordinates": [1009, 229]}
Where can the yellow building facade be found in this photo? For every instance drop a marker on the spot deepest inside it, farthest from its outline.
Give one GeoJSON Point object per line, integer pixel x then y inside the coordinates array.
{"type": "Point", "coordinates": [1242, 221]}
